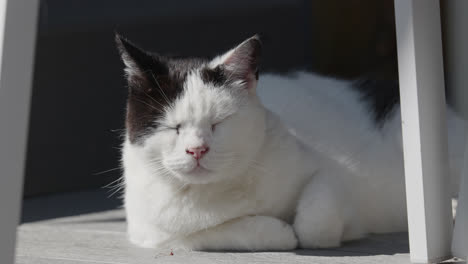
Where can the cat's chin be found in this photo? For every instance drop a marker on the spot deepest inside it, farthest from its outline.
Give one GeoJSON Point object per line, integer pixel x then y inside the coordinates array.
{"type": "Point", "coordinates": [197, 175]}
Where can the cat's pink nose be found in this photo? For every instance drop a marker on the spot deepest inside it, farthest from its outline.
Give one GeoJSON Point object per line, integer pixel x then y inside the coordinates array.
{"type": "Point", "coordinates": [197, 152]}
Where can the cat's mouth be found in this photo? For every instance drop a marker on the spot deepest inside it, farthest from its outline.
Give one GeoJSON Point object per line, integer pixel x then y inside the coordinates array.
{"type": "Point", "coordinates": [198, 170]}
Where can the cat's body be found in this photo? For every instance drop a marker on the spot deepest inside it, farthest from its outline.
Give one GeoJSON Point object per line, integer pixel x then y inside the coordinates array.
{"type": "Point", "coordinates": [226, 165]}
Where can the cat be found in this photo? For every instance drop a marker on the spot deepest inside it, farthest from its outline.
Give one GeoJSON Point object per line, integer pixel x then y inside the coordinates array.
{"type": "Point", "coordinates": [217, 157]}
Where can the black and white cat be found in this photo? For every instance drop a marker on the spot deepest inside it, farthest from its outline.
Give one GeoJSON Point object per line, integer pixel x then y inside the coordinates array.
{"type": "Point", "coordinates": [217, 159]}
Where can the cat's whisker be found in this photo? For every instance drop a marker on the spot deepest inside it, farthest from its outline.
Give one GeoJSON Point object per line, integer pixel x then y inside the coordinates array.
{"type": "Point", "coordinates": [156, 163]}
{"type": "Point", "coordinates": [158, 169]}
{"type": "Point", "coordinates": [156, 158]}
{"type": "Point", "coordinates": [116, 191]}
{"type": "Point", "coordinates": [115, 186]}
{"type": "Point", "coordinates": [160, 89]}
{"type": "Point", "coordinates": [151, 106]}
{"type": "Point", "coordinates": [154, 100]}
{"type": "Point", "coordinates": [106, 171]}
{"type": "Point", "coordinates": [151, 97]}
{"type": "Point", "coordinates": [113, 182]}
{"type": "Point", "coordinates": [118, 185]}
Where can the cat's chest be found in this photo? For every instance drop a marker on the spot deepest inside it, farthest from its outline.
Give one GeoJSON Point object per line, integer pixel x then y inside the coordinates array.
{"type": "Point", "coordinates": [279, 185]}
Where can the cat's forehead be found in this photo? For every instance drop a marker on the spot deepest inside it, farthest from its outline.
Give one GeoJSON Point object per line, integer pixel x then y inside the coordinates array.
{"type": "Point", "coordinates": [202, 100]}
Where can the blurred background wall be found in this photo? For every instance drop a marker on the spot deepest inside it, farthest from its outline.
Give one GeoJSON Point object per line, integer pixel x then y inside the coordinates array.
{"type": "Point", "coordinates": [79, 92]}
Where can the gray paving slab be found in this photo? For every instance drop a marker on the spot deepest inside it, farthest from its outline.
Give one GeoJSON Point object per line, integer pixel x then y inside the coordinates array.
{"type": "Point", "coordinates": [59, 244]}
{"type": "Point", "coordinates": [98, 236]}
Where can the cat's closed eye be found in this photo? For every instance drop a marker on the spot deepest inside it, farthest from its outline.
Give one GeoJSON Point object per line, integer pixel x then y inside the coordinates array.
{"type": "Point", "coordinates": [214, 125]}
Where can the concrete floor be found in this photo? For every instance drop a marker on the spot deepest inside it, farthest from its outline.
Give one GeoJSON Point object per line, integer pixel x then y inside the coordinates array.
{"type": "Point", "coordinates": [87, 227]}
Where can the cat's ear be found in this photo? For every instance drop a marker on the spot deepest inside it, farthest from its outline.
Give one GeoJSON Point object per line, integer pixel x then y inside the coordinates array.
{"type": "Point", "coordinates": [242, 62]}
{"type": "Point", "coordinates": [141, 67]}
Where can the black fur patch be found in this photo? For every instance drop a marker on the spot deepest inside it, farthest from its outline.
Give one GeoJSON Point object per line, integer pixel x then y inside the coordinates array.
{"type": "Point", "coordinates": [215, 76]}
{"type": "Point", "coordinates": [154, 83]}
{"type": "Point", "coordinates": [381, 97]}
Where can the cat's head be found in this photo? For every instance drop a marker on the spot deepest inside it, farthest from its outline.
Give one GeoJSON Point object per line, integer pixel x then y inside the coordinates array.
{"type": "Point", "coordinates": [197, 120]}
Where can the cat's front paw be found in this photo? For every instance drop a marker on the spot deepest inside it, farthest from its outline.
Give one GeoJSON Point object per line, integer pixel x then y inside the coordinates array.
{"type": "Point", "coordinates": [318, 232]}
{"type": "Point", "coordinates": [290, 242]}
{"type": "Point", "coordinates": [284, 232]}
{"type": "Point", "coordinates": [146, 237]}
{"type": "Point", "coordinates": [250, 233]}
{"type": "Point", "coordinates": [143, 242]}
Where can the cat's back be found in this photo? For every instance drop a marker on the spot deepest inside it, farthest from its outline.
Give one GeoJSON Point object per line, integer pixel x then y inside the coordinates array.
{"type": "Point", "coordinates": [324, 112]}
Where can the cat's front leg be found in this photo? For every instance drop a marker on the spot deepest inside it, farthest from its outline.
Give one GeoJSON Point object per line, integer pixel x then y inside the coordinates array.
{"type": "Point", "coordinates": [249, 233]}
{"type": "Point", "coordinates": [320, 219]}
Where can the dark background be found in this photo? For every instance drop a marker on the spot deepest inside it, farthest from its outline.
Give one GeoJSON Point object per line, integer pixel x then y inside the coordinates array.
{"type": "Point", "coordinates": [78, 102]}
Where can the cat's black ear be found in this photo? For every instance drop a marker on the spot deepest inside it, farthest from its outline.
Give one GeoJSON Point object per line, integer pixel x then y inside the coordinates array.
{"type": "Point", "coordinates": [141, 67]}
{"type": "Point", "coordinates": [242, 62]}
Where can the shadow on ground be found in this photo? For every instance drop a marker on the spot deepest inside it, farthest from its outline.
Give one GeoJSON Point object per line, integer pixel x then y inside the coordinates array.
{"type": "Point", "coordinates": [385, 244]}
{"type": "Point", "coordinates": [68, 204]}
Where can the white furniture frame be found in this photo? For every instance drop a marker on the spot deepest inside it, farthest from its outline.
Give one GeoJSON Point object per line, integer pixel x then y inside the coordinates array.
{"type": "Point", "coordinates": [423, 117]}
{"type": "Point", "coordinates": [456, 59]}
{"type": "Point", "coordinates": [18, 19]}
{"type": "Point", "coordinates": [460, 233]}
{"type": "Point", "coordinates": [422, 95]}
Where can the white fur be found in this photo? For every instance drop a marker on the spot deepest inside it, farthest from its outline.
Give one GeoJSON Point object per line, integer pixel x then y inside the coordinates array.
{"type": "Point", "coordinates": [301, 163]}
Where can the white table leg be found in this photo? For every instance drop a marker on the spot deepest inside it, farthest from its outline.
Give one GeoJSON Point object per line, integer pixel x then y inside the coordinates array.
{"type": "Point", "coordinates": [18, 19]}
{"type": "Point", "coordinates": [456, 47]}
{"type": "Point", "coordinates": [424, 129]}
{"type": "Point", "coordinates": [460, 233]}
